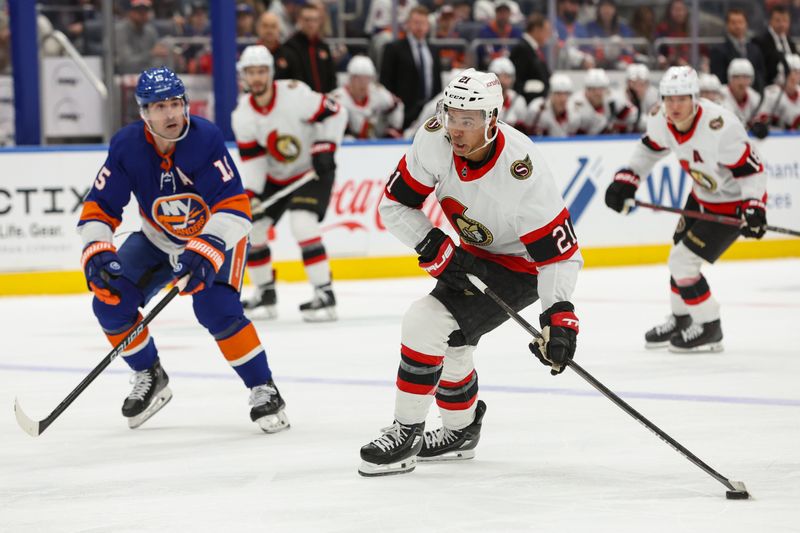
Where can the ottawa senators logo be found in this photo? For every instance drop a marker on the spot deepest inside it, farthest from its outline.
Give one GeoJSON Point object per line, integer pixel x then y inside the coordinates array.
{"type": "Point", "coordinates": [701, 178]}
{"type": "Point", "coordinates": [716, 123]}
{"type": "Point", "coordinates": [181, 215]}
{"type": "Point", "coordinates": [433, 124]}
{"type": "Point", "coordinates": [471, 231]}
{"type": "Point", "coordinates": [522, 168]}
{"type": "Point", "coordinates": [283, 148]}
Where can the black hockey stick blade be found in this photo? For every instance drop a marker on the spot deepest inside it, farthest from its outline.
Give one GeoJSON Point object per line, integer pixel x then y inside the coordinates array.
{"type": "Point", "coordinates": [737, 490]}
{"type": "Point", "coordinates": [28, 425]}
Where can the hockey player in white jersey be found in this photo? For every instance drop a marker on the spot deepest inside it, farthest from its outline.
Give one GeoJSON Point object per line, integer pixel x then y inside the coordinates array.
{"type": "Point", "coordinates": [710, 87]}
{"type": "Point", "coordinates": [284, 130]}
{"type": "Point", "coordinates": [728, 179]}
{"type": "Point", "coordinates": [639, 93]}
{"type": "Point", "coordinates": [597, 111]}
{"type": "Point", "coordinates": [514, 106]}
{"type": "Point", "coordinates": [515, 234]}
{"type": "Point", "coordinates": [738, 96]}
{"type": "Point", "coordinates": [781, 107]}
{"type": "Point", "coordinates": [373, 112]}
{"type": "Point", "coordinates": [549, 116]}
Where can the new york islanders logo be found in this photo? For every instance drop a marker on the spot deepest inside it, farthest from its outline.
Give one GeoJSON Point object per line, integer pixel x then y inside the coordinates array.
{"type": "Point", "coordinates": [181, 215]}
{"type": "Point", "coordinates": [470, 230]}
{"type": "Point", "coordinates": [283, 148]}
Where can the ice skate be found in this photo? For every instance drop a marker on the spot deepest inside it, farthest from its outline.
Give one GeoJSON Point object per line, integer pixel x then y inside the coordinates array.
{"type": "Point", "coordinates": [150, 393]}
{"type": "Point", "coordinates": [706, 337]}
{"type": "Point", "coordinates": [658, 337]}
{"type": "Point", "coordinates": [262, 305]}
{"type": "Point", "coordinates": [322, 308]}
{"type": "Point", "coordinates": [268, 408]}
{"type": "Point", "coordinates": [445, 444]}
{"type": "Point", "coordinates": [394, 452]}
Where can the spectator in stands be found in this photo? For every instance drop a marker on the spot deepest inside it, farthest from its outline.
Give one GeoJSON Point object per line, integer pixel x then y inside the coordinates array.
{"type": "Point", "coordinates": [675, 24]}
{"type": "Point", "coordinates": [137, 45]}
{"type": "Point", "coordinates": [5, 45]}
{"type": "Point", "coordinates": [379, 16]}
{"type": "Point", "coordinates": [450, 56]}
{"type": "Point", "coordinates": [485, 11]}
{"type": "Point", "coordinates": [607, 25]}
{"type": "Point", "coordinates": [197, 56]}
{"type": "Point", "coordinates": [568, 27]}
{"type": "Point", "coordinates": [529, 58]}
{"type": "Point", "coordinates": [710, 87]}
{"type": "Point", "coordinates": [775, 42]}
{"type": "Point", "coordinates": [463, 11]}
{"type": "Point", "coordinates": [643, 22]}
{"type": "Point", "coordinates": [409, 69]}
{"type": "Point", "coordinates": [498, 28]}
{"type": "Point", "coordinates": [245, 25]}
{"type": "Point", "coordinates": [269, 32]}
{"type": "Point", "coordinates": [736, 45]}
{"type": "Point", "coordinates": [309, 57]}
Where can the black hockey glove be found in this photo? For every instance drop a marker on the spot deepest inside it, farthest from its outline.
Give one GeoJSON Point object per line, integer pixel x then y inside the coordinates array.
{"type": "Point", "coordinates": [201, 260]}
{"type": "Point", "coordinates": [620, 193]}
{"type": "Point", "coordinates": [101, 266]}
{"type": "Point", "coordinates": [754, 214]}
{"type": "Point", "coordinates": [557, 344]}
{"type": "Point", "coordinates": [323, 162]}
{"type": "Point", "coordinates": [759, 130]}
{"type": "Point", "coordinates": [441, 258]}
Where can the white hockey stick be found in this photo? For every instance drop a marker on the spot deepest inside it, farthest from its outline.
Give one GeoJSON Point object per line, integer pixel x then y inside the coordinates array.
{"type": "Point", "coordinates": [289, 189]}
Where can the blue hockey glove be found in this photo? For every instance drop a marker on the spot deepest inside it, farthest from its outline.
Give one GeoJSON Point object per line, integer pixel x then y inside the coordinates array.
{"type": "Point", "coordinates": [102, 267]}
{"type": "Point", "coordinates": [201, 260]}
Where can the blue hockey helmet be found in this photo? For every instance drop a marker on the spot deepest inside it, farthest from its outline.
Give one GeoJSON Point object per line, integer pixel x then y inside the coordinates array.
{"type": "Point", "coordinates": [158, 83]}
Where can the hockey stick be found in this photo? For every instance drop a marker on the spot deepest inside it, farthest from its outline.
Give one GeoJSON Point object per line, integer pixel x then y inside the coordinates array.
{"type": "Point", "coordinates": [286, 191]}
{"type": "Point", "coordinates": [737, 490]}
{"type": "Point", "coordinates": [711, 217]}
{"type": "Point", "coordinates": [35, 428]}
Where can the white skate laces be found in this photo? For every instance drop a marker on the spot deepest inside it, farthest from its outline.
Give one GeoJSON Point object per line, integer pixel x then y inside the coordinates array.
{"type": "Point", "coordinates": [142, 381]}
{"type": "Point", "coordinates": [667, 326]}
{"type": "Point", "coordinates": [261, 394]}
{"type": "Point", "coordinates": [440, 436]}
{"type": "Point", "coordinates": [692, 332]}
{"type": "Point", "coordinates": [392, 436]}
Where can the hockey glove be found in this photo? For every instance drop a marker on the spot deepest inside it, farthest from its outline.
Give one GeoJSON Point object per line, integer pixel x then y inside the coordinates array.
{"type": "Point", "coordinates": [754, 215]}
{"type": "Point", "coordinates": [557, 344]}
{"type": "Point", "coordinates": [441, 258]}
{"type": "Point", "coordinates": [760, 130]}
{"type": "Point", "coordinates": [201, 260]}
{"type": "Point", "coordinates": [323, 162]}
{"type": "Point", "coordinates": [620, 193]}
{"type": "Point", "coordinates": [102, 267]}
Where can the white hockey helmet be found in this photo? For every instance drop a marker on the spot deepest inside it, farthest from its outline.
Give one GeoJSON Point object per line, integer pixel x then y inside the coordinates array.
{"type": "Point", "coordinates": [256, 55]}
{"type": "Point", "coordinates": [560, 83]}
{"type": "Point", "coordinates": [502, 65]}
{"type": "Point", "coordinates": [793, 61]}
{"type": "Point", "coordinates": [596, 78]}
{"type": "Point", "coordinates": [678, 81]}
{"type": "Point", "coordinates": [637, 71]}
{"type": "Point", "coordinates": [476, 90]}
{"type": "Point", "coordinates": [740, 67]}
{"type": "Point", "coordinates": [361, 66]}
{"type": "Point", "coordinates": [709, 83]}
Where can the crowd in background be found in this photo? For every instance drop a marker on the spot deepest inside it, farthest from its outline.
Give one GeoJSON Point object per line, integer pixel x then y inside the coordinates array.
{"type": "Point", "coordinates": [429, 40]}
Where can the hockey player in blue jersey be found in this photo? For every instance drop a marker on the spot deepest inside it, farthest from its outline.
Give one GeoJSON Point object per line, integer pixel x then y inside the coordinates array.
{"type": "Point", "coordinates": [195, 220]}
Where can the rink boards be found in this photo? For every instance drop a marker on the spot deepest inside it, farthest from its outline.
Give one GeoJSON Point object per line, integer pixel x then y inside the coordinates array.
{"type": "Point", "coordinates": [42, 189]}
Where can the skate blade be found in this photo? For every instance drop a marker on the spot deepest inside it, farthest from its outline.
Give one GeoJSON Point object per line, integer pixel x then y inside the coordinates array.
{"type": "Point", "coordinates": [273, 423]}
{"type": "Point", "coordinates": [262, 312]}
{"type": "Point", "coordinates": [327, 314]}
{"type": "Point", "coordinates": [656, 345]}
{"type": "Point", "coordinates": [401, 467]}
{"type": "Point", "coordinates": [158, 403]}
{"type": "Point", "coordinates": [714, 347]}
{"type": "Point", "coordinates": [458, 455]}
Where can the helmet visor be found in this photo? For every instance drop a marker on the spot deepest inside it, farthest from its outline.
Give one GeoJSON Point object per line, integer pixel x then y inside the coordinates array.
{"type": "Point", "coordinates": [462, 119]}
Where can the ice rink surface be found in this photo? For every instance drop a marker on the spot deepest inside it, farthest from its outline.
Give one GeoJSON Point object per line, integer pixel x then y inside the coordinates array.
{"type": "Point", "coordinates": [554, 455]}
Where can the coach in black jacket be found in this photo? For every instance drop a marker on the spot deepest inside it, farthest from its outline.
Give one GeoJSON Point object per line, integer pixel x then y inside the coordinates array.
{"type": "Point", "coordinates": [775, 42]}
{"type": "Point", "coordinates": [734, 47]}
{"type": "Point", "coordinates": [533, 75]}
{"type": "Point", "coordinates": [307, 56]}
{"type": "Point", "coordinates": [411, 69]}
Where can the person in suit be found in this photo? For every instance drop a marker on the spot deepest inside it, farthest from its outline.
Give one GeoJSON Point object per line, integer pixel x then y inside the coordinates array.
{"type": "Point", "coordinates": [308, 57]}
{"type": "Point", "coordinates": [528, 57]}
{"type": "Point", "coordinates": [775, 43]}
{"type": "Point", "coordinates": [410, 69]}
{"type": "Point", "coordinates": [736, 46]}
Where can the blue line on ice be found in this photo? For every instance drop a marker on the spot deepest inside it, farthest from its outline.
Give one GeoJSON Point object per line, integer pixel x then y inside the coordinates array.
{"type": "Point", "coordinates": [785, 402]}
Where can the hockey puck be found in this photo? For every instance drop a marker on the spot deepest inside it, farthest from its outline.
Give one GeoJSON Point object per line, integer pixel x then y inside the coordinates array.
{"type": "Point", "coordinates": [737, 495]}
